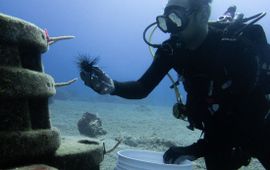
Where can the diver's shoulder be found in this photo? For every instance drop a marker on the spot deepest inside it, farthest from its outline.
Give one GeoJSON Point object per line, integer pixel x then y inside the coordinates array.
{"type": "Point", "coordinates": [215, 30]}
{"type": "Point", "coordinates": [167, 41]}
{"type": "Point", "coordinates": [165, 48]}
{"type": "Point", "coordinates": [170, 45]}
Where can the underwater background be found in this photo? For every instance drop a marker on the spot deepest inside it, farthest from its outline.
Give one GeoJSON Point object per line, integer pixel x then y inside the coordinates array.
{"type": "Point", "coordinates": [112, 30]}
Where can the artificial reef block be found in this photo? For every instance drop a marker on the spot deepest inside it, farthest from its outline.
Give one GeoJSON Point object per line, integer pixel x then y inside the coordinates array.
{"type": "Point", "coordinates": [78, 153]}
{"type": "Point", "coordinates": [26, 136]}
{"type": "Point", "coordinates": [18, 31]}
{"type": "Point", "coordinates": [25, 83]}
{"type": "Point", "coordinates": [18, 147]}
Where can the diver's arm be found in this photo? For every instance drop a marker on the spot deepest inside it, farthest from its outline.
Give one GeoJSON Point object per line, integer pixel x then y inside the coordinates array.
{"type": "Point", "coordinates": [129, 90]}
{"type": "Point", "coordinates": [149, 80]}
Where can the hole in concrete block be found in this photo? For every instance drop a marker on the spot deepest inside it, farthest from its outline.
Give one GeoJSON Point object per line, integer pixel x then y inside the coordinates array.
{"type": "Point", "coordinates": [30, 58]}
{"type": "Point", "coordinates": [88, 142]}
{"type": "Point", "coordinates": [9, 55]}
{"type": "Point", "coordinates": [39, 113]}
{"type": "Point", "coordinates": [43, 36]}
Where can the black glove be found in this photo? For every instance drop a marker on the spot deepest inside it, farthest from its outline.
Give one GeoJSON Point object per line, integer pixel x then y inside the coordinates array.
{"type": "Point", "coordinates": [178, 154]}
{"type": "Point", "coordinates": [93, 76]}
{"type": "Point", "coordinates": [98, 80]}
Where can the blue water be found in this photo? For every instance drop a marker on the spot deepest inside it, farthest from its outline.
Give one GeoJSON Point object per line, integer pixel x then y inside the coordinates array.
{"type": "Point", "coordinates": [112, 30]}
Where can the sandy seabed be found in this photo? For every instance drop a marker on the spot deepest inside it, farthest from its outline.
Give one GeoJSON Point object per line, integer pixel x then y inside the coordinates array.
{"type": "Point", "coordinates": [140, 126]}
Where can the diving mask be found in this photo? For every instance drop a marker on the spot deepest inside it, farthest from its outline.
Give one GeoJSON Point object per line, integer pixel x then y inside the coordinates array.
{"type": "Point", "coordinates": [174, 20]}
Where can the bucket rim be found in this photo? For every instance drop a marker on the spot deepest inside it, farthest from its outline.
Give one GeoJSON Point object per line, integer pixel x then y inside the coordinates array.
{"type": "Point", "coordinates": [119, 153]}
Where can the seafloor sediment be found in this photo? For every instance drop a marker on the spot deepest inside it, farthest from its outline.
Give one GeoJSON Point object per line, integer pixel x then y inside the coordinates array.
{"type": "Point", "coordinates": [140, 126]}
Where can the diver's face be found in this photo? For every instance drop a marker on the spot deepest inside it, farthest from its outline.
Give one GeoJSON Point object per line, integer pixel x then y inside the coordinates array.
{"type": "Point", "coordinates": [193, 25]}
{"type": "Point", "coordinates": [175, 17]}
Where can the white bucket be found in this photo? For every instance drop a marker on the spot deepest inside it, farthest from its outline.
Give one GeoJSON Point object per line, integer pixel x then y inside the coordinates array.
{"type": "Point", "coordinates": [147, 160]}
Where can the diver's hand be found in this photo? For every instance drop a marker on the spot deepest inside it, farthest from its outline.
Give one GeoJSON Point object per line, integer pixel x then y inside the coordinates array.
{"type": "Point", "coordinates": [175, 155]}
{"type": "Point", "coordinates": [98, 80]}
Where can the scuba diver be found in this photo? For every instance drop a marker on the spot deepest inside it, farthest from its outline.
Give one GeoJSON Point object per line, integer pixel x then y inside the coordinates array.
{"type": "Point", "coordinates": [225, 70]}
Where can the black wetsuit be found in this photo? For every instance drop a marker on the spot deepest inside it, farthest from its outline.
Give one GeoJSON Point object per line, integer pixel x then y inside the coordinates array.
{"type": "Point", "coordinates": [222, 98]}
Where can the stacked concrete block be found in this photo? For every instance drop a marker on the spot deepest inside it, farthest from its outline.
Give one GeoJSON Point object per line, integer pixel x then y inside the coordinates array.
{"type": "Point", "coordinates": [26, 134]}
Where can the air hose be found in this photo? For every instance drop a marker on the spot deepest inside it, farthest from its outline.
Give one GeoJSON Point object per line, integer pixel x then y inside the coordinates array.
{"type": "Point", "coordinates": [176, 90]}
